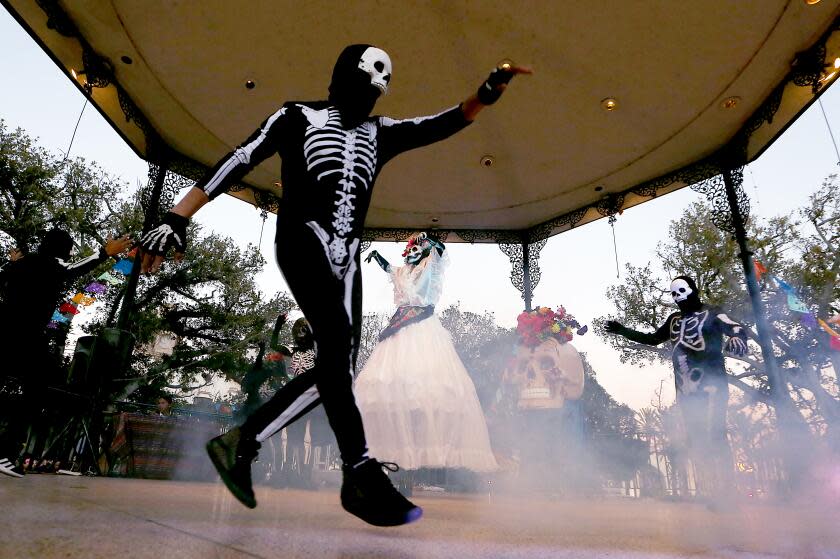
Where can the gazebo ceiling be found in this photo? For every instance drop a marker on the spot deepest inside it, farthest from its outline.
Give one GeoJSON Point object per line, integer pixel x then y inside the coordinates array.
{"type": "Point", "coordinates": [670, 66]}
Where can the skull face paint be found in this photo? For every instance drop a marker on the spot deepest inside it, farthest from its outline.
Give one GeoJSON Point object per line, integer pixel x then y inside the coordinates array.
{"type": "Point", "coordinates": [417, 249]}
{"type": "Point", "coordinates": [377, 64]}
{"type": "Point", "coordinates": [414, 255]}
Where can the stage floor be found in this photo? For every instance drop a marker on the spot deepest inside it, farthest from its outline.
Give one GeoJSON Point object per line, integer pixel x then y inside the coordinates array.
{"type": "Point", "coordinates": [48, 516]}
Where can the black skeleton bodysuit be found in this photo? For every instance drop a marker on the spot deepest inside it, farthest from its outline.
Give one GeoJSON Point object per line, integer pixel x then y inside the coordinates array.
{"type": "Point", "coordinates": [328, 172]}
{"type": "Point", "coordinates": [696, 346]}
{"type": "Point", "coordinates": [696, 334]}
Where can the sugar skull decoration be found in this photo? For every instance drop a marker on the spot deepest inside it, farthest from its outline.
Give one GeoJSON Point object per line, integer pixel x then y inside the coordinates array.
{"type": "Point", "coordinates": [419, 247]}
{"type": "Point", "coordinates": [546, 369]}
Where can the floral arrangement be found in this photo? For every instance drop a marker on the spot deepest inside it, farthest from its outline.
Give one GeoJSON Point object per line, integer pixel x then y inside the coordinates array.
{"type": "Point", "coordinates": [412, 242]}
{"type": "Point", "coordinates": [542, 323]}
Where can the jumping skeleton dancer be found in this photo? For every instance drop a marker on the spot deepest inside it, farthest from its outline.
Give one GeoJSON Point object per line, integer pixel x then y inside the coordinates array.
{"type": "Point", "coordinates": [332, 152]}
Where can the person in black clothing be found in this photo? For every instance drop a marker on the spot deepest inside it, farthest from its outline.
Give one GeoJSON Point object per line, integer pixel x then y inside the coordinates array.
{"type": "Point", "coordinates": [696, 334]}
{"type": "Point", "coordinates": [31, 288]}
{"type": "Point", "coordinates": [332, 152]}
{"type": "Point", "coordinates": [262, 376]}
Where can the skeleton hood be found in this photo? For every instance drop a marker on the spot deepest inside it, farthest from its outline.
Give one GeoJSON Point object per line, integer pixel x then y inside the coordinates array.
{"type": "Point", "coordinates": [302, 335]}
{"type": "Point", "coordinates": [57, 243]}
{"type": "Point", "coordinates": [361, 74]}
{"type": "Point", "coordinates": [685, 294]}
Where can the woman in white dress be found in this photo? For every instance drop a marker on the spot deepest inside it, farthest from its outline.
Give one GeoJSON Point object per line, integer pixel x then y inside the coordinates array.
{"type": "Point", "coordinates": [418, 403]}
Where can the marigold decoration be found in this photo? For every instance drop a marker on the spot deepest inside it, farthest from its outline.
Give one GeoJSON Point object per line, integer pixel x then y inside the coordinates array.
{"type": "Point", "coordinates": [542, 323]}
{"type": "Point", "coordinates": [411, 243]}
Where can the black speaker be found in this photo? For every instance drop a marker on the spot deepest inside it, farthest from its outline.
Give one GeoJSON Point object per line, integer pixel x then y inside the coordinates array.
{"type": "Point", "coordinates": [98, 359]}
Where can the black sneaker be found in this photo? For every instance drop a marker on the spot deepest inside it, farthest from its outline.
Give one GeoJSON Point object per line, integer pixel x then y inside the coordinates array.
{"type": "Point", "coordinates": [232, 456]}
{"type": "Point", "coordinates": [368, 493]}
{"type": "Point", "coordinates": [8, 468]}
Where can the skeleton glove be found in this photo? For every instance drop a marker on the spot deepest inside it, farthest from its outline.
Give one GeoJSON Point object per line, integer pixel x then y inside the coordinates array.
{"type": "Point", "coordinates": [488, 92]}
{"type": "Point", "coordinates": [614, 327]}
{"type": "Point", "coordinates": [171, 233]}
{"type": "Point", "coordinates": [736, 346]}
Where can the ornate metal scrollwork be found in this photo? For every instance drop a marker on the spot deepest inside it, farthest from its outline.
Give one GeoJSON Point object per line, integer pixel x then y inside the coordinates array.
{"type": "Point", "coordinates": [370, 235]}
{"type": "Point", "coordinates": [266, 200]}
{"type": "Point", "coordinates": [57, 18]}
{"type": "Point", "coordinates": [714, 189]}
{"type": "Point", "coordinates": [172, 184]}
{"type": "Point", "coordinates": [516, 254]}
{"type": "Point", "coordinates": [808, 67]}
{"type": "Point", "coordinates": [99, 72]}
{"type": "Point", "coordinates": [610, 205]}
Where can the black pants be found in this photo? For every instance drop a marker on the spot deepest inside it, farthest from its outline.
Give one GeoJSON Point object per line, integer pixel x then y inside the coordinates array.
{"type": "Point", "coordinates": [704, 415]}
{"type": "Point", "coordinates": [24, 382]}
{"type": "Point", "coordinates": [333, 307]}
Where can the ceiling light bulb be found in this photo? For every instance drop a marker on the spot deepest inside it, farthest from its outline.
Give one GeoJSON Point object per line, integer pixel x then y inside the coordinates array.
{"type": "Point", "coordinates": [730, 102]}
{"type": "Point", "coordinates": [609, 104]}
{"type": "Point", "coordinates": [837, 62]}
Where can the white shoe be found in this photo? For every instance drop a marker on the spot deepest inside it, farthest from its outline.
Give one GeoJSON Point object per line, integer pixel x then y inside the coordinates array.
{"type": "Point", "coordinates": [10, 469]}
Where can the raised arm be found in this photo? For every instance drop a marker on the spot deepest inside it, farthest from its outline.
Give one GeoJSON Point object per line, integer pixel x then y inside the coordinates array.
{"type": "Point", "coordinates": [491, 89]}
{"type": "Point", "coordinates": [437, 245]}
{"type": "Point", "coordinates": [172, 231]}
{"type": "Point", "coordinates": [112, 247]}
{"type": "Point", "coordinates": [661, 335]}
{"type": "Point", "coordinates": [275, 334]}
{"type": "Point", "coordinates": [402, 135]}
{"type": "Point", "coordinates": [384, 264]}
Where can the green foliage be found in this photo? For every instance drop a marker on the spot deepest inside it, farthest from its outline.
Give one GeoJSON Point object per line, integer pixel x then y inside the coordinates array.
{"type": "Point", "coordinates": [210, 302]}
{"type": "Point", "coordinates": [39, 191]}
{"type": "Point", "coordinates": [802, 248]}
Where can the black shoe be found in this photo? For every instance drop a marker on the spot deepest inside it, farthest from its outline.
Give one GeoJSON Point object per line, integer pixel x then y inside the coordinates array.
{"type": "Point", "coordinates": [232, 456]}
{"type": "Point", "coordinates": [368, 493]}
{"type": "Point", "coordinates": [8, 468]}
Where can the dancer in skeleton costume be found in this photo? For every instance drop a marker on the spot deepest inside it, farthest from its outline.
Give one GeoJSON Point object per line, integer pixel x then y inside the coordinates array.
{"type": "Point", "coordinates": [696, 334]}
{"type": "Point", "coordinates": [417, 400]}
{"type": "Point", "coordinates": [332, 152]}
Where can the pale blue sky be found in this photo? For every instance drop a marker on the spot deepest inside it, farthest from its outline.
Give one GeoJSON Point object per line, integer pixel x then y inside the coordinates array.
{"type": "Point", "coordinates": [577, 266]}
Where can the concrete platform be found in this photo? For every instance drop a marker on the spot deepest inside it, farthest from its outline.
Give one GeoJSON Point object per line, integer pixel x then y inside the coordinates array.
{"type": "Point", "coordinates": [47, 516]}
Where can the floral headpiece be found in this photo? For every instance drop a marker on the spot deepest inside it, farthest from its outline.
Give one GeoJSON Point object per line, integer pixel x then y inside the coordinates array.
{"type": "Point", "coordinates": [542, 323]}
{"type": "Point", "coordinates": [412, 242]}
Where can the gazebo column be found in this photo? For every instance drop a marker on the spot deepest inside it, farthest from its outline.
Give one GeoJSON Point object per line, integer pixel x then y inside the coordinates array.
{"type": "Point", "coordinates": [732, 182]}
{"type": "Point", "coordinates": [157, 179]}
{"type": "Point", "coordinates": [527, 288]}
{"type": "Point", "coordinates": [730, 208]}
{"type": "Point", "coordinates": [525, 262]}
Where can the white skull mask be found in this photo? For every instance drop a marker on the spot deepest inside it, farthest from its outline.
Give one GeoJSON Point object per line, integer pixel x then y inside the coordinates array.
{"type": "Point", "coordinates": [377, 64]}
{"type": "Point", "coordinates": [680, 290]}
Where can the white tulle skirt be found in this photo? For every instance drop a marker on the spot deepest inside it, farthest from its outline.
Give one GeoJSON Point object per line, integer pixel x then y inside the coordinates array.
{"type": "Point", "coordinates": [419, 404]}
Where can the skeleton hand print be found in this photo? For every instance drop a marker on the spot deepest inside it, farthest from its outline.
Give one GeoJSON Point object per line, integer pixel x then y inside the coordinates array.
{"type": "Point", "coordinates": [736, 347]}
